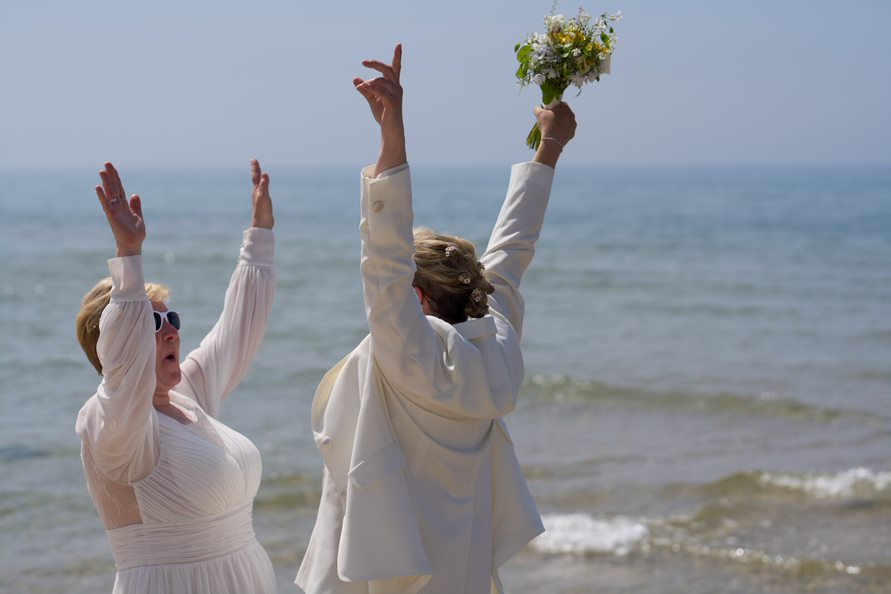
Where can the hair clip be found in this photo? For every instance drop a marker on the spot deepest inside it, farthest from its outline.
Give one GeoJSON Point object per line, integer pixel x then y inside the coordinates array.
{"type": "Point", "coordinates": [464, 278]}
{"type": "Point", "coordinates": [449, 250]}
{"type": "Point", "coordinates": [476, 295]}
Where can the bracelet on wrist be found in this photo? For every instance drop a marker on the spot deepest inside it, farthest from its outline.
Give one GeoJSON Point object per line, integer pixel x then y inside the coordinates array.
{"type": "Point", "coordinates": [562, 146]}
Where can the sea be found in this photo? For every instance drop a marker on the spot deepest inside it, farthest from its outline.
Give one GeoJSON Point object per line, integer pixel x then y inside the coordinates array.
{"type": "Point", "coordinates": [707, 401]}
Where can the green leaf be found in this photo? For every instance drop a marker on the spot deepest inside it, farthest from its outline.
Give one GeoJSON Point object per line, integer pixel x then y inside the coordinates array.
{"type": "Point", "coordinates": [523, 52]}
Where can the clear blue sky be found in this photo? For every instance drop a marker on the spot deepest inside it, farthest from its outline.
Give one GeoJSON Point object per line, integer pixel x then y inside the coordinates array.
{"type": "Point", "coordinates": [202, 83]}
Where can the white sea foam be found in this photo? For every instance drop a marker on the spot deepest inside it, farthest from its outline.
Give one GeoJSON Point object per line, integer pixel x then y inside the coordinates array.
{"type": "Point", "coordinates": [580, 533]}
{"type": "Point", "coordinates": [830, 486]}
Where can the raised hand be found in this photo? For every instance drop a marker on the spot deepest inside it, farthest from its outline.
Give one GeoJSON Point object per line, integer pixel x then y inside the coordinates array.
{"type": "Point", "coordinates": [384, 96]}
{"type": "Point", "coordinates": [384, 93]}
{"type": "Point", "coordinates": [557, 127]}
{"type": "Point", "coordinates": [124, 217]}
{"type": "Point", "coordinates": [261, 215]}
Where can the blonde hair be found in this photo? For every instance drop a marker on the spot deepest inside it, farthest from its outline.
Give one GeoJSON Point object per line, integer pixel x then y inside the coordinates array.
{"type": "Point", "coordinates": [450, 276]}
{"type": "Point", "coordinates": [91, 308]}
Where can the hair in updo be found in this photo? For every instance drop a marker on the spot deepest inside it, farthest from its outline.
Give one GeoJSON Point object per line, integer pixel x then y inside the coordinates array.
{"type": "Point", "coordinates": [91, 308]}
{"type": "Point", "coordinates": [450, 276]}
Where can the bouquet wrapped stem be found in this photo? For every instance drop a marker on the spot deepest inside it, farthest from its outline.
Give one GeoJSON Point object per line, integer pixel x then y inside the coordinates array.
{"type": "Point", "coordinates": [573, 51]}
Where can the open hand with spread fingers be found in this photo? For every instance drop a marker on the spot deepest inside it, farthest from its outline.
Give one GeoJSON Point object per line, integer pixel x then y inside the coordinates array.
{"type": "Point", "coordinates": [384, 96]}
{"type": "Point", "coordinates": [124, 216]}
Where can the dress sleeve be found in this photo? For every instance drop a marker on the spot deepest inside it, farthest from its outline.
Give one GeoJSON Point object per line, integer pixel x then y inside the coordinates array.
{"type": "Point", "coordinates": [512, 243]}
{"type": "Point", "coordinates": [118, 424]}
{"type": "Point", "coordinates": [423, 356]}
{"type": "Point", "coordinates": [216, 367]}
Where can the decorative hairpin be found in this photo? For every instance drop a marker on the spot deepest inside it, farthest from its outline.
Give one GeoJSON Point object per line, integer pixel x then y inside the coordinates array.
{"type": "Point", "coordinates": [464, 278]}
{"type": "Point", "coordinates": [476, 295]}
{"type": "Point", "coordinates": [449, 250]}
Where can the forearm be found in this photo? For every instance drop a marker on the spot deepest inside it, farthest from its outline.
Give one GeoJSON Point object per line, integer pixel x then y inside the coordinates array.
{"type": "Point", "coordinates": [548, 153]}
{"type": "Point", "coordinates": [512, 242]}
{"type": "Point", "coordinates": [222, 359]}
{"type": "Point", "coordinates": [392, 153]}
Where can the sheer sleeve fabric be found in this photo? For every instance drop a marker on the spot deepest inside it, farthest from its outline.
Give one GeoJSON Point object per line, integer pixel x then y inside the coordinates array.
{"type": "Point", "coordinates": [118, 424]}
{"type": "Point", "coordinates": [217, 366]}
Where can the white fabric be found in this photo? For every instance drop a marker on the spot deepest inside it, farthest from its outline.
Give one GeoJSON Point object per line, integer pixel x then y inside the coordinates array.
{"type": "Point", "coordinates": [176, 498]}
{"type": "Point", "coordinates": [422, 491]}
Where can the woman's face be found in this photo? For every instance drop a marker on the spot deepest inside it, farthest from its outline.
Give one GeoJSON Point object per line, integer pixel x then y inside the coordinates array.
{"type": "Point", "coordinates": [167, 369]}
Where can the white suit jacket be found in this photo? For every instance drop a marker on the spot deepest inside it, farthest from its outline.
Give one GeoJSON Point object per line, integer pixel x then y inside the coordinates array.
{"type": "Point", "coordinates": [422, 489]}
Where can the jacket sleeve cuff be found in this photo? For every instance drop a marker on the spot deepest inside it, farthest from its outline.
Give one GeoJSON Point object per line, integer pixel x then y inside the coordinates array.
{"type": "Point", "coordinates": [127, 280]}
{"type": "Point", "coordinates": [367, 172]}
{"type": "Point", "coordinates": [257, 246]}
{"type": "Point", "coordinates": [537, 173]}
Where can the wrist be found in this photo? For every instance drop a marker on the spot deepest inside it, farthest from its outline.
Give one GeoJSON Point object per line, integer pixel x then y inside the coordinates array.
{"type": "Point", "coordinates": [125, 251]}
{"type": "Point", "coordinates": [548, 153]}
{"type": "Point", "coordinates": [394, 137]}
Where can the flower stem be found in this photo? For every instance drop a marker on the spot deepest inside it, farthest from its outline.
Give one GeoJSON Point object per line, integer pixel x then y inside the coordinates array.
{"type": "Point", "coordinates": [534, 138]}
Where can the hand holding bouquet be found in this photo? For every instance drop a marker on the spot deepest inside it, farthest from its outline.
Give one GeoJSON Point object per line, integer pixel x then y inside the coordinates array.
{"type": "Point", "coordinates": [573, 51]}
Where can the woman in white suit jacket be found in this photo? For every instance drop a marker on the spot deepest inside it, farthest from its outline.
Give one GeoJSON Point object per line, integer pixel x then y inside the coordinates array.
{"type": "Point", "coordinates": [422, 491]}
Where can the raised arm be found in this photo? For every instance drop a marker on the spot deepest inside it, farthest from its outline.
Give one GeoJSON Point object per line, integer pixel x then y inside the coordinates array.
{"type": "Point", "coordinates": [117, 425]}
{"type": "Point", "coordinates": [512, 243]}
{"type": "Point", "coordinates": [424, 355]}
{"type": "Point", "coordinates": [216, 367]}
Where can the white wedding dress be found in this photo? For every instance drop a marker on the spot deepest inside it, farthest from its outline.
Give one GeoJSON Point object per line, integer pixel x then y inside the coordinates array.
{"type": "Point", "coordinates": [176, 498]}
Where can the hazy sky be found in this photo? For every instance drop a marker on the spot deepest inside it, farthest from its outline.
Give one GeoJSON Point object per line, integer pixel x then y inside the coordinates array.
{"type": "Point", "coordinates": [211, 83]}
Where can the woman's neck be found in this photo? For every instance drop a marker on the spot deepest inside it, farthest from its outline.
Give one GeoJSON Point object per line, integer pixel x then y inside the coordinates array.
{"type": "Point", "coordinates": [161, 399]}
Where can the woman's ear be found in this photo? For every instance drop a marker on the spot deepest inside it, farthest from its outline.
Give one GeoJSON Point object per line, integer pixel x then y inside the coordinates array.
{"type": "Point", "coordinates": [425, 303]}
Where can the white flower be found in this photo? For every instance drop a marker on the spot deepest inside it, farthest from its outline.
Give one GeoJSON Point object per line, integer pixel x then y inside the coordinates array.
{"type": "Point", "coordinates": [604, 63]}
{"type": "Point", "coordinates": [554, 22]}
{"type": "Point", "coordinates": [576, 52]}
{"type": "Point", "coordinates": [539, 79]}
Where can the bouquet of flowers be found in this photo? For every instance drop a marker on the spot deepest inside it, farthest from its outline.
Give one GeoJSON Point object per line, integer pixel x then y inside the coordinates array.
{"type": "Point", "coordinates": [573, 51]}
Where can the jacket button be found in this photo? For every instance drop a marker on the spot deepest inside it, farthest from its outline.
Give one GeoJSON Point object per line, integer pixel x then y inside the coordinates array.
{"type": "Point", "coordinates": [377, 206]}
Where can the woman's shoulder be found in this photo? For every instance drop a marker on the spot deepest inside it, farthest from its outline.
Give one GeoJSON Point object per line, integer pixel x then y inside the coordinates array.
{"type": "Point", "coordinates": [85, 415]}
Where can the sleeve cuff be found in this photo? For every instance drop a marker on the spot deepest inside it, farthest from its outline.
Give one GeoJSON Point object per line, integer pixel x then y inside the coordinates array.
{"type": "Point", "coordinates": [536, 169]}
{"type": "Point", "coordinates": [257, 246]}
{"type": "Point", "coordinates": [127, 280]}
{"type": "Point", "coordinates": [369, 170]}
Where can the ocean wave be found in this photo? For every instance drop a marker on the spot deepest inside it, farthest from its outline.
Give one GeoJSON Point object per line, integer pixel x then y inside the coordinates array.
{"type": "Point", "coordinates": [855, 482]}
{"type": "Point", "coordinates": [581, 534]}
{"type": "Point", "coordinates": [560, 388]}
{"type": "Point", "coordinates": [760, 560]}
{"type": "Point", "coordinates": [620, 536]}
{"type": "Point", "coordinates": [862, 483]}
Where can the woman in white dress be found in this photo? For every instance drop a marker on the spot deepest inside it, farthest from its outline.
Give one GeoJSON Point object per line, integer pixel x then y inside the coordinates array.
{"type": "Point", "coordinates": [173, 485]}
{"type": "Point", "coordinates": [422, 491]}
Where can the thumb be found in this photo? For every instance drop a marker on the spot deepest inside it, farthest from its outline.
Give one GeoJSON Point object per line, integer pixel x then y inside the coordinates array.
{"type": "Point", "coordinates": [537, 109]}
{"type": "Point", "coordinates": [136, 205]}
